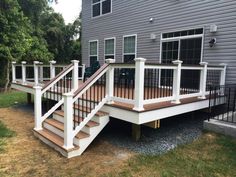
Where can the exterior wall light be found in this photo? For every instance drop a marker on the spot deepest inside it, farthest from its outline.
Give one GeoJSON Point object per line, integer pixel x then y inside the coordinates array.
{"type": "Point", "coordinates": [212, 42]}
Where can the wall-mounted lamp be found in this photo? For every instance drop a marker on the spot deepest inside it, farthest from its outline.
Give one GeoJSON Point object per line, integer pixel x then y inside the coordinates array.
{"type": "Point", "coordinates": [212, 42]}
{"type": "Point", "coordinates": [151, 20]}
{"type": "Point", "coordinates": [153, 36]}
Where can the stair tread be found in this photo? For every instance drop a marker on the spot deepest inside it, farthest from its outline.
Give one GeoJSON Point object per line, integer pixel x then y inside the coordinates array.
{"type": "Point", "coordinates": [57, 140]}
{"type": "Point", "coordinates": [60, 126]}
{"type": "Point", "coordinates": [78, 119]}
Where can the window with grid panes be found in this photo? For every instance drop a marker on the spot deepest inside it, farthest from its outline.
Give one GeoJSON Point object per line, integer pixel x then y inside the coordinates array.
{"type": "Point", "coordinates": [129, 48]}
{"type": "Point", "coordinates": [110, 48]}
{"type": "Point", "coordinates": [101, 7]}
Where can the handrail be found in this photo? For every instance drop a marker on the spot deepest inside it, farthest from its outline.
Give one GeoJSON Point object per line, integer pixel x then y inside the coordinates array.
{"type": "Point", "coordinates": [56, 78]}
{"type": "Point", "coordinates": [90, 81]}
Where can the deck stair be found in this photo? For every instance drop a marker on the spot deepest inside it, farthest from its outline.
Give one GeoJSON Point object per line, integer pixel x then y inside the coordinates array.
{"type": "Point", "coordinates": [53, 132]}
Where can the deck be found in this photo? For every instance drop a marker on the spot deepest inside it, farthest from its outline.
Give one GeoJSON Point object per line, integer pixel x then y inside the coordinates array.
{"type": "Point", "coordinates": [138, 93]}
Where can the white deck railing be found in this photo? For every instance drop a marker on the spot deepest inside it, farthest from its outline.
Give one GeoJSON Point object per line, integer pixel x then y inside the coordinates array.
{"type": "Point", "coordinates": [39, 73]}
{"type": "Point", "coordinates": [153, 83]}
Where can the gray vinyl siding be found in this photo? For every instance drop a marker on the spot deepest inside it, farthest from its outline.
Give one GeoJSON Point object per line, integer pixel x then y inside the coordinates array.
{"type": "Point", "coordinates": [132, 17]}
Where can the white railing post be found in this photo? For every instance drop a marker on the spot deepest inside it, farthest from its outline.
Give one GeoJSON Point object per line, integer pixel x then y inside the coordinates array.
{"type": "Point", "coordinates": [52, 69]}
{"type": "Point", "coordinates": [13, 71]}
{"type": "Point", "coordinates": [38, 107]}
{"type": "Point", "coordinates": [176, 81]}
{"type": "Point", "coordinates": [75, 75]}
{"type": "Point", "coordinates": [203, 80]}
{"type": "Point", "coordinates": [110, 81]}
{"type": "Point", "coordinates": [41, 72]}
{"type": "Point", "coordinates": [83, 71]}
{"type": "Point", "coordinates": [36, 73]}
{"type": "Point", "coordinates": [139, 84]}
{"type": "Point", "coordinates": [223, 74]}
{"type": "Point", "coordinates": [68, 120]}
{"type": "Point", "coordinates": [23, 69]}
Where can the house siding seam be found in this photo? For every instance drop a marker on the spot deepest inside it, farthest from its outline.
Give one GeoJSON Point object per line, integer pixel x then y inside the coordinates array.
{"type": "Point", "coordinates": [132, 17]}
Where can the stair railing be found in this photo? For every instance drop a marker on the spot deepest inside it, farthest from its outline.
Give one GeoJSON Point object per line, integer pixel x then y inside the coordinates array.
{"type": "Point", "coordinates": [80, 107]}
{"type": "Point", "coordinates": [66, 81]}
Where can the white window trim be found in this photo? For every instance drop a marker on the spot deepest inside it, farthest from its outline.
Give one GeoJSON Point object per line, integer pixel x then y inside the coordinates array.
{"type": "Point", "coordinates": [114, 47]}
{"type": "Point", "coordinates": [182, 37]}
{"type": "Point", "coordinates": [97, 50]}
{"type": "Point", "coordinates": [101, 15]}
{"type": "Point", "coordinates": [123, 48]}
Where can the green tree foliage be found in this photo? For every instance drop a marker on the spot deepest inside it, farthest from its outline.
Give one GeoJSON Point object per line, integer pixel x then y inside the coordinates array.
{"type": "Point", "coordinates": [30, 30]}
{"type": "Point", "coordinates": [14, 36]}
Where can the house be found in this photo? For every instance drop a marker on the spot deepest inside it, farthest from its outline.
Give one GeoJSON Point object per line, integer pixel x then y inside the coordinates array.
{"type": "Point", "coordinates": [158, 60]}
{"type": "Point", "coordinates": [160, 31]}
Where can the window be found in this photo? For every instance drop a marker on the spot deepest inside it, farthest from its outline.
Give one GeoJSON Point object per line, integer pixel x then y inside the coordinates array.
{"type": "Point", "coordinates": [129, 48]}
{"type": "Point", "coordinates": [93, 51]}
{"type": "Point", "coordinates": [186, 46]}
{"type": "Point", "coordinates": [100, 7]}
{"type": "Point", "coordinates": [109, 48]}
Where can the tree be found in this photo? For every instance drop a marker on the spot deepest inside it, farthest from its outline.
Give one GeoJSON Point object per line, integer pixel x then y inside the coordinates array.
{"type": "Point", "coordinates": [14, 36]}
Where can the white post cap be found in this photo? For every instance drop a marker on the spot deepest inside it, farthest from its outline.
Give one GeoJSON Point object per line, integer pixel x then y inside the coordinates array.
{"type": "Point", "coordinates": [177, 62]}
{"type": "Point", "coordinates": [140, 59]}
{"type": "Point", "coordinates": [13, 62]}
{"type": "Point", "coordinates": [203, 63]}
{"type": "Point", "coordinates": [23, 62]}
{"type": "Point", "coordinates": [110, 60]}
{"type": "Point", "coordinates": [52, 62]}
{"type": "Point", "coordinates": [74, 61]}
{"type": "Point", "coordinates": [36, 62]}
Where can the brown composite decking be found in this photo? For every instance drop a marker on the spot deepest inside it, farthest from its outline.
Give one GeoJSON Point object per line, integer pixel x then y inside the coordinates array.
{"type": "Point", "coordinates": [155, 106]}
{"type": "Point", "coordinates": [97, 92]}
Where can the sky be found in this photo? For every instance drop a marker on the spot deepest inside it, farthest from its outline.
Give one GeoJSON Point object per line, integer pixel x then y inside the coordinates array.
{"type": "Point", "coordinates": [70, 9]}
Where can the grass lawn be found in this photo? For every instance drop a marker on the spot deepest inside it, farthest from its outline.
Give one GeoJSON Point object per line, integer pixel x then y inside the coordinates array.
{"type": "Point", "coordinates": [11, 98]}
{"type": "Point", "coordinates": [211, 155]}
{"type": "Point", "coordinates": [4, 133]}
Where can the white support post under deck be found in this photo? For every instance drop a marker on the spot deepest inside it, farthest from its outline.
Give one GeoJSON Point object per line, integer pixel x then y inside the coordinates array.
{"type": "Point", "coordinates": [38, 108]}
{"type": "Point", "coordinates": [52, 69]}
{"type": "Point", "coordinates": [203, 80]}
{"type": "Point", "coordinates": [68, 121]}
{"type": "Point", "coordinates": [110, 81]}
{"type": "Point", "coordinates": [13, 71]}
{"type": "Point", "coordinates": [75, 75]}
{"type": "Point", "coordinates": [139, 84]}
{"type": "Point", "coordinates": [176, 81]}
{"type": "Point", "coordinates": [23, 70]}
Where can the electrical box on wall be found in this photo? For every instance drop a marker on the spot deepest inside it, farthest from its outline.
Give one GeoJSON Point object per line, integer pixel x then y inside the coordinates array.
{"type": "Point", "coordinates": [213, 28]}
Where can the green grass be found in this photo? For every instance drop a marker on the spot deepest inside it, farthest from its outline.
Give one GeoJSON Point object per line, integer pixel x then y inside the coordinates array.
{"type": "Point", "coordinates": [12, 98]}
{"type": "Point", "coordinates": [4, 134]}
{"type": "Point", "coordinates": [211, 155]}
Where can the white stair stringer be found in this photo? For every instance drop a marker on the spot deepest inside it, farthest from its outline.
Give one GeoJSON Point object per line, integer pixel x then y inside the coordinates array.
{"type": "Point", "coordinates": [94, 131]}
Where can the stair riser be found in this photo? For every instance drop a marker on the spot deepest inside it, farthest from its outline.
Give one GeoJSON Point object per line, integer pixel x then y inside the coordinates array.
{"type": "Point", "coordinates": [95, 131]}
{"type": "Point", "coordinates": [60, 133]}
{"type": "Point", "coordinates": [79, 113]}
{"type": "Point", "coordinates": [53, 129]}
{"type": "Point", "coordinates": [61, 119]}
